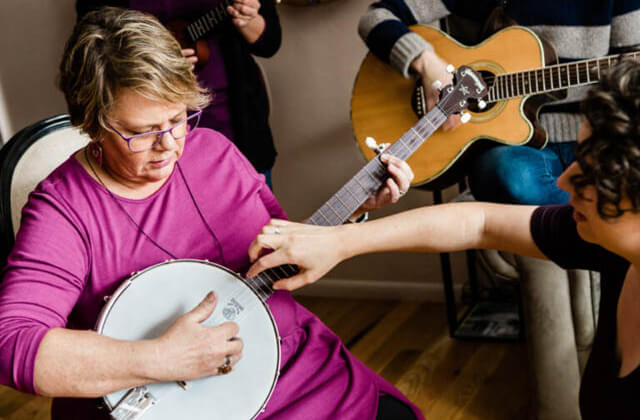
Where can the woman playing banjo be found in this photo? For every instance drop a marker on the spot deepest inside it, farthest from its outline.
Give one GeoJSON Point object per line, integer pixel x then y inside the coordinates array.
{"type": "Point", "coordinates": [151, 186]}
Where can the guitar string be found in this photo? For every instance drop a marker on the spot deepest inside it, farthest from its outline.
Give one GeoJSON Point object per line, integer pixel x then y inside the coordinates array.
{"type": "Point", "coordinates": [510, 85]}
{"type": "Point", "coordinates": [421, 129]}
{"type": "Point", "coordinates": [583, 69]}
{"type": "Point", "coordinates": [551, 78]}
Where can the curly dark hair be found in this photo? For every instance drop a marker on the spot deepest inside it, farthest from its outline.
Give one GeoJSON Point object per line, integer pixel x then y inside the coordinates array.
{"type": "Point", "coordinates": [610, 157]}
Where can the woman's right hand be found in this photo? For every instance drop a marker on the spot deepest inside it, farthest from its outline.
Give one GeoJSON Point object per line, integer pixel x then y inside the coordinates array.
{"type": "Point", "coordinates": [431, 67]}
{"type": "Point", "coordinates": [189, 350]}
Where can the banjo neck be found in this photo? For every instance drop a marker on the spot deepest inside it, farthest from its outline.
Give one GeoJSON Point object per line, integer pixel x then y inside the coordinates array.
{"type": "Point", "coordinates": [372, 176]}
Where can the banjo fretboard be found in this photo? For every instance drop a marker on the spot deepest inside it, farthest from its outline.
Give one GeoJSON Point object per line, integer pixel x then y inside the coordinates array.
{"type": "Point", "coordinates": [354, 193]}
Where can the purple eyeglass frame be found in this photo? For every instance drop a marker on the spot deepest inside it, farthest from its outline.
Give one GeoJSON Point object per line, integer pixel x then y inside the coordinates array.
{"type": "Point", "coordinates": [159, 134]}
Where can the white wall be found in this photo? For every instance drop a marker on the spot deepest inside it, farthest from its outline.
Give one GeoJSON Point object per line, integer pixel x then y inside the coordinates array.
{"type": "Point", "coordinates": [32, 38]}
{"type": "Point", "coordinates": [311, 79]}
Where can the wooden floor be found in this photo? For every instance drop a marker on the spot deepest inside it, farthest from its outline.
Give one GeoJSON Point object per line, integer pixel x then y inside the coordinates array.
{"type": "Point", "coordinates": [408, 344]}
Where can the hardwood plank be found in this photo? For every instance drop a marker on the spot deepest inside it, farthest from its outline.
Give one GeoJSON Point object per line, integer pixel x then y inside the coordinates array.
{"type": "Point", "coordinates": [381, 333]}
{"type": "Point", "coordinates": [453, 402]}
{"type": "Point", "coordinates": [355, 318]}
{"type": "Point", "coordinates": [415, 333]}
{"type": "Point", "coordinates": [18, 405]}
{"type": "Point", "coordinates": [501, 396]}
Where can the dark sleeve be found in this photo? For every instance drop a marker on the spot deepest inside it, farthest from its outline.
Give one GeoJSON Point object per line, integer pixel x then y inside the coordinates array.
{"type": "Point", "coordinates": [269, 42]}
{"type": "Point", "coordinates": [85, 6]}
{"type": "Point", "coordinates": [554, 232]}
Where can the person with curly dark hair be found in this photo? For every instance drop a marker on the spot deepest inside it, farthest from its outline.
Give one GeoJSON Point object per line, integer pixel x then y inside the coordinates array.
{"type": "Point", "coordinates": [598, 230]}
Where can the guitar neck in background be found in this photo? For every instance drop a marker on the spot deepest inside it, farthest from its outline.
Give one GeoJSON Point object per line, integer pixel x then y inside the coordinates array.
{"type": "Point", "coordinates": [354, 193]}
{"type": "Point", "coordinates": [206, 23]}
{"type": "Point", "coordinates": [553, 78]}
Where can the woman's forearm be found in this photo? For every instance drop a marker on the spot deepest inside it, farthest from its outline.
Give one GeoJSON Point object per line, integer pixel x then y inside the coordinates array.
{"type": "Point", "coordinates": [85, 364]}
{"type": "Point", "coordinates": [443, 228]}
{"type": "Point", "coordinates": [72, 363]}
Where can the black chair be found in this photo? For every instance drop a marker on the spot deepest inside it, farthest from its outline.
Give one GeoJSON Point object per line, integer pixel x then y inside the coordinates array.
{"type": "Point", "coordinates": [27, 158]}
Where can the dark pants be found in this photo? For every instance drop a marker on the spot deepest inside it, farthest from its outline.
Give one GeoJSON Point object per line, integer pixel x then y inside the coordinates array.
{"type": "Point", "coordinates": [390, 408]}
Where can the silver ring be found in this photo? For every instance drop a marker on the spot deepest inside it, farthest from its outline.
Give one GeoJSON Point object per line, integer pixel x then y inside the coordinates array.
{"type": "Point", "coordinates": [276, 230]}
{"type": "Point", "coordinates": [401, 193]}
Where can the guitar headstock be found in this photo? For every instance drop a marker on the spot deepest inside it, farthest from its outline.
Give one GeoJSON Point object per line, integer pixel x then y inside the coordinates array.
{"type": "Point", "coordinates": [468, 84]}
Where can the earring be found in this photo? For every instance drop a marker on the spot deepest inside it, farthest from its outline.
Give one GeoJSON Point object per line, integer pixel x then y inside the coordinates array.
{"type": "Point", "coordinates": [95, 148]}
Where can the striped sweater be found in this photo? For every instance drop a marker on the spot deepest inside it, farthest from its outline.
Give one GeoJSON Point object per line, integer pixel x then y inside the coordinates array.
{"type": "Point", "coordinates": [577, 29]}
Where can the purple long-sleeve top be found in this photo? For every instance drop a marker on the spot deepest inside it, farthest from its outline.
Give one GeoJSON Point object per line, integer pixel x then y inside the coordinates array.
{"type": "Point", "coordinates": [76, 245]}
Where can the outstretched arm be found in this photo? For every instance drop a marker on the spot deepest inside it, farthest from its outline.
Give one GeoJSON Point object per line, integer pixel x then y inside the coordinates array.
{"type": "Point", "coordinates": [448, 227]}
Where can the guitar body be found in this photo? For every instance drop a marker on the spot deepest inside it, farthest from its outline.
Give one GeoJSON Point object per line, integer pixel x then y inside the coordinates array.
{"type": "Point", "coordinates": [381, 105]}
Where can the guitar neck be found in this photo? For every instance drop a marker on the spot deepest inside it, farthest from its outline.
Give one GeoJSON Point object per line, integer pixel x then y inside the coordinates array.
{"type": "Point", "coordinates": [552, 78]}
{"type": "Point", "coordinates": [355, 192]}
{"type": "Point", "coordinates": [207, 22]}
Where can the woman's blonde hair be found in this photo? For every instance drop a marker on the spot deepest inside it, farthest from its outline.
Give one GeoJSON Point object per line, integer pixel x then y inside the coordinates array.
{"type": "Point", "coordinates": [112, 49]}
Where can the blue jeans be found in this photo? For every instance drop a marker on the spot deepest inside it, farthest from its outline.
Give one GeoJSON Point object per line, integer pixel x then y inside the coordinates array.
{"type": "Point", "coordinates": [521, 174]}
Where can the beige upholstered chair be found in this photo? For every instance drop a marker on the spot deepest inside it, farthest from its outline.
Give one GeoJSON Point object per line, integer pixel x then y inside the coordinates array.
{"type": "Point", "coordinates": [560, 310]}
{"type": "Point", "coordinates": [26, 159]}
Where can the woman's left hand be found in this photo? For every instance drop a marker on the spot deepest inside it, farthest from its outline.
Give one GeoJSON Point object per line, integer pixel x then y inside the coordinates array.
{"type": "Point", "coordinates": [396, 186]}
{"type": "Point", "coordinates": [243, 11]}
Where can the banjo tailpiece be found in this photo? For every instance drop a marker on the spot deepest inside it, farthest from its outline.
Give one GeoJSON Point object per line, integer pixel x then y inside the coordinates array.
{"type": "Point", "coordinates": [134, 404]}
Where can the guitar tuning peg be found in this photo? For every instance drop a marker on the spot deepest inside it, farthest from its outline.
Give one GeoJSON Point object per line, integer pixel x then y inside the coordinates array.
{"type": "Point", "coordinates": [482, 104]}
{"type": "Point", "coordinates": [450, 68]}
{"type": "Point", "coordinates": [436, 85]}
{"type": "Point", "coordinates": [465, 117]}
{"type": "Point", "coordinates": [373, 145]}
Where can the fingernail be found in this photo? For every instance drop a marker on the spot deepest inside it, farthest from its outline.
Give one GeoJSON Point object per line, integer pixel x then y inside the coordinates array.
{"type": "Point", "coordinates": [211, 296]}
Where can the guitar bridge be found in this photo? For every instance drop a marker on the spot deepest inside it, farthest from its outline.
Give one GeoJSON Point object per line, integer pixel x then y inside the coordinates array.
{"type": "Point", "coordinates": [418, 100]}
{"type": "Point", "coordinates": [134, 404]}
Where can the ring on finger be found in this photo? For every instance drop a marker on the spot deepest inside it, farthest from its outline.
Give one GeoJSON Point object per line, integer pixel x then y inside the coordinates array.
{"type": "Point", "coordinates": [276, 230]}
{"type": "Point", "coordinates": [226, 366]}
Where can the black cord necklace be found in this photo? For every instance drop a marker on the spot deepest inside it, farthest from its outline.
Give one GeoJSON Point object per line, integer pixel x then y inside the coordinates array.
{"type": "Point", "coordinates": [153, 241]}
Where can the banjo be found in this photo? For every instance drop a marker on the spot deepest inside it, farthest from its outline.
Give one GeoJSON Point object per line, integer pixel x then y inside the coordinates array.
{"type": "Point", "coordinates": [243, 393]}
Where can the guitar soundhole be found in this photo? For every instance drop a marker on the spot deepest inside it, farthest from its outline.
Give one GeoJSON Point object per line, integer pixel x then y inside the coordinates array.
{"type": "Point", "coordinates": [419, 100]}
{"type": "Point", "coordinates": [489, 79]}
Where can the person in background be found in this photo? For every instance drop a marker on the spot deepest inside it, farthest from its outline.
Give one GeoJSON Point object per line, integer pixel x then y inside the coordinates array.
{"type": "Point", "coordinates": [153, 186]}
{"type": "Point", "coordinates": [598, 230]}
{"type": "Point", "coordinates": [240, 107]}
{"type": "Point", "coordinates": [577, 30]}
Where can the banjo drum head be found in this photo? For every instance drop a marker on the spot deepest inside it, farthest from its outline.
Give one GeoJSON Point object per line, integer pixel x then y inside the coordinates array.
{"type": "Point", "coordinates": [145, 305]}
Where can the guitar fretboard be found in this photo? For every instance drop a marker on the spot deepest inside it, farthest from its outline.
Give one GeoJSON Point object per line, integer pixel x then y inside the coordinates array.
{"type": "Point", "coordinates": [355, 192]}
{"type": "Point", "coordinates": [206, 23]}
{"type": "Point", "coordinates": [552, 78]}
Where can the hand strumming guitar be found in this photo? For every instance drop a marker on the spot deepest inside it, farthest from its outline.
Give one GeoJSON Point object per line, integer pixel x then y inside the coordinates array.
{"type": "Point", "coordinates": [431, 67]}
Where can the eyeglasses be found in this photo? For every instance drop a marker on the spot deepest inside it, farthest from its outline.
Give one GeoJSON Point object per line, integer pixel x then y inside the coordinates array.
{"type": "Point", "coordinates": [145, 141]}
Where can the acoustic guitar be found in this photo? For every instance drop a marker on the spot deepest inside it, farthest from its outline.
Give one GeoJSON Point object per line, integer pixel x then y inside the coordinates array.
{"type": "Point", "coordinates": [144, 305]}
{"type": "Point", "coordinates": [521, 73]}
